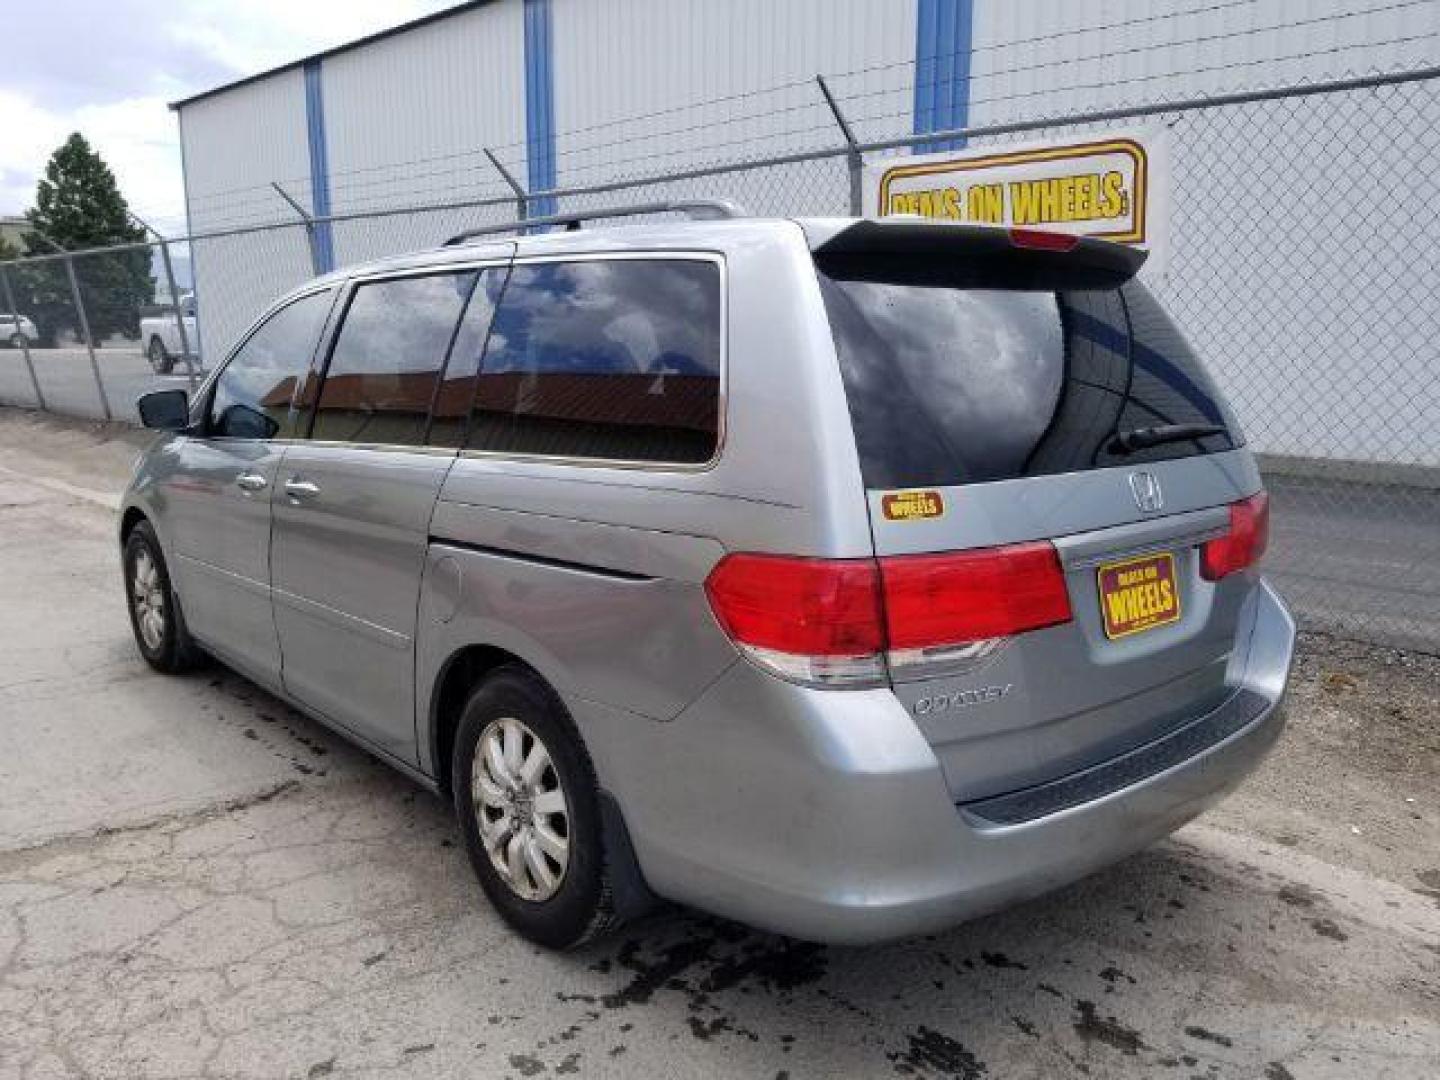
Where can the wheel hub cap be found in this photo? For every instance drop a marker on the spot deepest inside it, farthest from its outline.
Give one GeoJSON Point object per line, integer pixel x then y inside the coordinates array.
{"type": "Point", "coordinates": [521, 809]}
{"type": "Point", "coordinates": [148, 598]}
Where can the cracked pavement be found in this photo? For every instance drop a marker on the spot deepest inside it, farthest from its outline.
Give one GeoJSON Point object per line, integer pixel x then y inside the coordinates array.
{"type": "Point", "coordinates": [197, 882]}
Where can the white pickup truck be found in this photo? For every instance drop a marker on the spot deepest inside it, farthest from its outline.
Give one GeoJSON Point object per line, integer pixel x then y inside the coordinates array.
{"type": "Point", "coordinates": [160, 336]}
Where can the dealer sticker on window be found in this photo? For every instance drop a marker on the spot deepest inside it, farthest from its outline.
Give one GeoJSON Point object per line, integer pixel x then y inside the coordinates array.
{"type": "Point", "coordinates": [911, 505]}
{"type": "Point", "coordinates": [1138, 594]}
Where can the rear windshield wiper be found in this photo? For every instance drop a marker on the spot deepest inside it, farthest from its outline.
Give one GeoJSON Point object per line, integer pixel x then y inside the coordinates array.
{"type": "Point", "coordinates": [1127, 442]}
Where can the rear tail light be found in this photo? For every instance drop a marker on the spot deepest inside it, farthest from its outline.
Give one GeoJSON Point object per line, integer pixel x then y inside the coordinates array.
{"type": "Point", "coordinates": [811, 620]}
{"type": "Point", "coordinates": [1243, 544]}
{"type": "Point", "coordinates": [830, 622]}
{"type": "Point", "coordinates": [958, 605]}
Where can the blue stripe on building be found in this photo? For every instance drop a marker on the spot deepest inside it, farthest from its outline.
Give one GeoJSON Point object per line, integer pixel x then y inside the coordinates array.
{"type": "Point", "coordinates": [539, 105]}
{"type": "Point", "coordinates": [324, 249]}
{"type": "Point", "coordinates": [943, 29]}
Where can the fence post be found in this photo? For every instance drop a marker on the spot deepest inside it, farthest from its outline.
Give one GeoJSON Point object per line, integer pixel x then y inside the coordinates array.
{"type": "Point", "coordinates": [179, 315]}
{"type": "Point", "coordinates": [854, 160]}
{"type": "Point", "coordinates": [317, 264]}
{"type": "Point", "coordinates": [522, 206]}
{"type": "Point", "coordinates": [174, 295]}
{"type": "Point", "coordinates": [24, 341]}
{"type": "Point", "coordinates": [85, 330]}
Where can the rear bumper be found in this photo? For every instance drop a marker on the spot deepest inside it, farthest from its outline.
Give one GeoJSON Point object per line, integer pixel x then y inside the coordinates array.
{"type": "Point", "coordinates": [824, 814]}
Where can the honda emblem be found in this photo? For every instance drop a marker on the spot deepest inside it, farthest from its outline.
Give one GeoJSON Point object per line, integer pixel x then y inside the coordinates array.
{"type": "Point", "coordinates": [1146, 490]}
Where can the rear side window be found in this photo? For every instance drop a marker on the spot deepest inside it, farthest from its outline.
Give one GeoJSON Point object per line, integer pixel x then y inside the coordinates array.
{"type": "Point", "coordinates": [253, 394]}
{"type": "Point", "coordinates": [952, 385]}
{"type": "Point", "coordinates": [387, 359]}
{"type": "Point", "coordinates": [613, 359]}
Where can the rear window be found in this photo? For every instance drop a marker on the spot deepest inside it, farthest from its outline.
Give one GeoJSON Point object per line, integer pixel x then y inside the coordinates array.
{"type": "Point", "coordinates": [950, 385]}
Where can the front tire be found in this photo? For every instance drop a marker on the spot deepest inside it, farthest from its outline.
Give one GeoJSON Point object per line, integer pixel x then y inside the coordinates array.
{"type": "Point", "coordinates": [528, 804]}
{"type": "Point", "coordinates": [160, 359]}
{"type": "Point", "coordinates": [17, 341]}
{"type": "Point", "coordinates": [155, 617]}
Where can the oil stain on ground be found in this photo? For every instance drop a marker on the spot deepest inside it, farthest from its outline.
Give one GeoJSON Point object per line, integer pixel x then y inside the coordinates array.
{"type": "Point", "coordinates": [931, 1052]}
{"type": "Point", "coordinates": [1092, 1027]}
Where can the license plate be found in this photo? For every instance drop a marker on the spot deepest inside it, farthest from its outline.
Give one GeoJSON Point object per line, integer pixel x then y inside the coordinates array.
{"type": "Point", "coordinates": [1138, 594]}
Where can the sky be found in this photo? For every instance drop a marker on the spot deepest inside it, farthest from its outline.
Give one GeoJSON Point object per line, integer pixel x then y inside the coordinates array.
{"type": "Point", "coordinates": [113, 66]}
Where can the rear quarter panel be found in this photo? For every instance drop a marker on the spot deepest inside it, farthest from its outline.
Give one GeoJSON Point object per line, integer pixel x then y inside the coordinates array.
{"type": "Point", "coordinates": [593, 572]}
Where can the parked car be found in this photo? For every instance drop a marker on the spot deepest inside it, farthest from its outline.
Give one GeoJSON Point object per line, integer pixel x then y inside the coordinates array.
{"type": "Point", "coordinates": [844, 577]}
{"type": "Point", "coordinates": [160, 336]}
{"type": "Point", "coordinates": [16, 331]}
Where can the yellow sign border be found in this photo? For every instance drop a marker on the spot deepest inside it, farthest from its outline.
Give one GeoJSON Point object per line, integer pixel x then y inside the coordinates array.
{"type": "Point", "coordinates": [1133, 235]}
{"type": "Point", "coordinates": [1168, 556]}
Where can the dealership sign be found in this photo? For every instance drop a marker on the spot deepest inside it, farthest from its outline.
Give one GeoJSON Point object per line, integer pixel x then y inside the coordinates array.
{"type": "Point", "coordinates": [1111, 185]}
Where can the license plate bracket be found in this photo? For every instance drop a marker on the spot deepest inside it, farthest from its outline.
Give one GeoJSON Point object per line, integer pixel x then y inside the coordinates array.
{"type": "Point", "coordinates": [1138, 594]}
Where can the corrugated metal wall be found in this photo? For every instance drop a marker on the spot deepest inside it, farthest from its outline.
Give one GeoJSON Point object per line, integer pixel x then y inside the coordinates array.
{"type": "Point", "coordinates": [406, 119]}
{"type": "Point", "coordinates": [645, 86]}
{"type": "Point", "coordinates": [1033, 60]}
{"type": "Point", "coordinates": [234, 145]}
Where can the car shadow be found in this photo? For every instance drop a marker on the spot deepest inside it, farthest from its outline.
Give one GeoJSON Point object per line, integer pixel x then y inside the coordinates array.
{"type": "Point", "coordinates": [1134, 970]}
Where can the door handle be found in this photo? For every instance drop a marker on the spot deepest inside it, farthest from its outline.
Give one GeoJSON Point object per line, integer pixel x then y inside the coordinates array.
{"type": "Point", "coordinates": [300, 489]}
{"type": "Point", "coordinates": [251, 481]}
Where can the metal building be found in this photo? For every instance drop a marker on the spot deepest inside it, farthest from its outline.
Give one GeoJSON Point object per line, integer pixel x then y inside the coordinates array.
{"type": "Point", "coordinates": [576, 92]}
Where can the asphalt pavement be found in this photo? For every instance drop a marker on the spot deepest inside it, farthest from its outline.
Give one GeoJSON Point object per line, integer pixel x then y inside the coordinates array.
{"type": "Point", "coordinates": [197, 882]}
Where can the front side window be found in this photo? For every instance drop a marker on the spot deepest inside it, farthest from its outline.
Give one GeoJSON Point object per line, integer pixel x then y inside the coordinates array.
{"type": "Point", "coordinates": [606, 359]}
{"type": "Point", "coordinates": [387, 359]}
{"type": "Point", "coordinates": [253, 394]}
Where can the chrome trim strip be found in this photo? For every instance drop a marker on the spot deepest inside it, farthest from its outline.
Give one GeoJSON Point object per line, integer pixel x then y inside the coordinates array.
{"type": "Point", "coordinates": [381, 635]}
{"type": "Point", "coordinates": [1088, 550]}
{"type": "Point", "coordinates": [248, 584]}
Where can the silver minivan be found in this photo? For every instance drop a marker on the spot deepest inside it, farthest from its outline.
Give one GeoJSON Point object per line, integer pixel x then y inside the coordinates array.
{"type": "Point", "coordinates": [844, 577]}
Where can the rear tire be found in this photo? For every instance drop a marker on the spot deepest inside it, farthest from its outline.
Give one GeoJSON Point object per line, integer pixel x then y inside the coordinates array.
{"type": "Point", "coordinates": [155, 615]}
{"type": "Point", "coordinates": [528, 804]}
{"type": "Point", "coordinates": [17, 341]}
{"type": "Point", "coordinates": [160, 359]}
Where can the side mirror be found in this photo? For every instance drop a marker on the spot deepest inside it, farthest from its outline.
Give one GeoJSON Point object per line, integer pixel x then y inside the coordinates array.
{"type": "Point", "coordinates": [164, 410]}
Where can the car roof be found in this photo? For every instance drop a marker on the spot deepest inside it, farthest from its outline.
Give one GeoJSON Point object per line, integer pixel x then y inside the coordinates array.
{"type": "Point", "coordinates": [869, 238]}
{"type": "Point", "coordinates": [710, 235]}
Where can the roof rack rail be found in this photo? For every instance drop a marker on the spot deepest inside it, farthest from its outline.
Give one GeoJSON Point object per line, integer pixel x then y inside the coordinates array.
{"type": "Point", "coordinates": [698, 209]}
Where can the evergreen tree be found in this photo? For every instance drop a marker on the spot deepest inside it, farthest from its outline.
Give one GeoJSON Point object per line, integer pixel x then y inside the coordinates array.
{"type": "Point", "coordinates": [78, 205]}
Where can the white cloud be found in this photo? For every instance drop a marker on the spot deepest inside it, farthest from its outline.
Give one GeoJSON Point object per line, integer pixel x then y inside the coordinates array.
{"type": "Point", "coordinates": [131, 58]}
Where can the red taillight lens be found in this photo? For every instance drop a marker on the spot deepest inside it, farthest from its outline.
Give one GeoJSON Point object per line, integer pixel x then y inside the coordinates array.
{"type": "Point", "coordinates": [1043, 240]}
{"type": "Point", "coordinates": [831, 621]}
{"type": "Point", "coordinates": [810, 607]}
{"type": "Point", "coordinates": [1243, 545]}
{"type": "Point", "coordinates": [966, 596]}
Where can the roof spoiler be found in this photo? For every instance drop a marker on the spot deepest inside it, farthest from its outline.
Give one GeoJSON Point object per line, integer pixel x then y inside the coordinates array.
{"type": "Point", "coordinates": [941, 253]}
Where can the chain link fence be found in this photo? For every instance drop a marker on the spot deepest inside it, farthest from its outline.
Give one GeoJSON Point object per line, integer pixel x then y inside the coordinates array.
{"type": "Point", "coordinates": [1303, 237]}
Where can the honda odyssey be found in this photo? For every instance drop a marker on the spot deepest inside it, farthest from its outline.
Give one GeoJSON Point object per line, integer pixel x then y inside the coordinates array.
{"type": "Point", "coordinates": [845, 577]}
